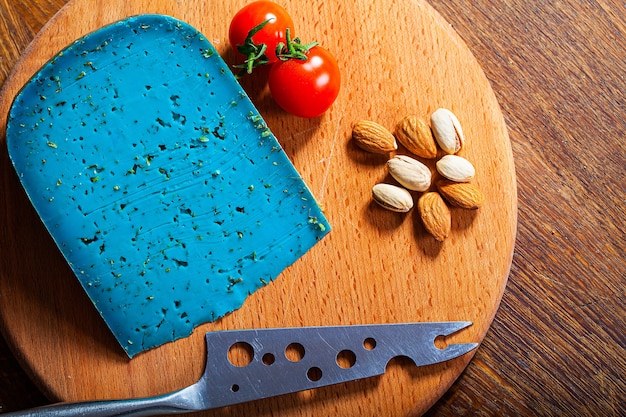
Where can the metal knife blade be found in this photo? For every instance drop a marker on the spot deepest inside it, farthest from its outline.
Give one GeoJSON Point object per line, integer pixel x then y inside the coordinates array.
{"type": "Point", "coordinates": [283, 361]}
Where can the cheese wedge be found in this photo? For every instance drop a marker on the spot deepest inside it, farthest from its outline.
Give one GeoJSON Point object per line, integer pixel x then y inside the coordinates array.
{"type": "Point", "coordinates": [158, 179]}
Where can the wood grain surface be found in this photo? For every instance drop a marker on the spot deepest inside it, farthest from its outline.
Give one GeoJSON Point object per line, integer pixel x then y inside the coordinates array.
{"type": "Point", "coordinates": [557, 344]}
{"type": "Point", "coordinates": [375, 266]}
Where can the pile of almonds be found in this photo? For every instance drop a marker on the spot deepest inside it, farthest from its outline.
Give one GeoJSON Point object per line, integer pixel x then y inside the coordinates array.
{"type": "Point", "coordinates": [423, 140]}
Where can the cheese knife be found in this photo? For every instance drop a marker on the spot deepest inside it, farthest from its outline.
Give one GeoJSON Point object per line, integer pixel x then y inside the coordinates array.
{"type": "Point", "coordinates": [272, 362]}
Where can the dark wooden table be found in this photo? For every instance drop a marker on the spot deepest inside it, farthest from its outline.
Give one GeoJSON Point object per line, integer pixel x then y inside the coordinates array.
{"type": "Point", "coordinates": [557, 346]}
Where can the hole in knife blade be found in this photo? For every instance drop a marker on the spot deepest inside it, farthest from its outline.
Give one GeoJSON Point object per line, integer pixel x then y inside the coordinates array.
{"type": "Point", "coordinates": [268, 359]}
{"type": "Point", "coordinates": [346, 359]}
{"type": "Point", "coordinates": [440, 342]}
{"type": "Point", "coordinates": [369, 343]}
{"type": "Point", "coordinates": [314, 374]}
{"type": "Point", "coordinates": [234, 388]}
{"type": "Point", "coordinates": [294, 352]}
{"type": "Point", "coordinates": [240, 354]}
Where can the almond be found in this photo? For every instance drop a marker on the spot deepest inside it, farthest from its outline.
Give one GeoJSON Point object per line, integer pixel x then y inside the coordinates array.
{"type": "Point", "coordinates": [415, 135]}
{"type": "Point", "coordinates": [373, 137]}
{"type": "Point", "coordinates": [435, 215]}
{"type": "Point", "coordinates": [461, 194]}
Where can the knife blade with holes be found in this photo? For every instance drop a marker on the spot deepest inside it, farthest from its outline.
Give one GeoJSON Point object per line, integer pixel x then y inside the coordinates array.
{"type": "Point", "coordinates": [248, 365]}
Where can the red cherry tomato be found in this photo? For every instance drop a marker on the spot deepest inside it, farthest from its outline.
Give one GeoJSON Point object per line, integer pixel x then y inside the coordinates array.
{"type": "Point", "coordinates": [306, 88]}
{"type": "Point", "coordinates": [254, 14]}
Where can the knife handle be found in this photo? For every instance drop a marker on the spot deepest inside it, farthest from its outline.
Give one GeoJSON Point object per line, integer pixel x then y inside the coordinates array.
{"type": "Point", "coordinates": [183, 401]}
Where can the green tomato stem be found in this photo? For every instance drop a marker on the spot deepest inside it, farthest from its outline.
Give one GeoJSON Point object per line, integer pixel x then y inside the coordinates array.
{"type": "Point", "coordinates": [254, 53]}
{"type": "Point", "coordinates": [294, 49]}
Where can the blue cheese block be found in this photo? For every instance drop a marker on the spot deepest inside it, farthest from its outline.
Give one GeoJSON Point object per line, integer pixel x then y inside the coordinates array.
{"type": "Point", "coordinates": [158, 179]}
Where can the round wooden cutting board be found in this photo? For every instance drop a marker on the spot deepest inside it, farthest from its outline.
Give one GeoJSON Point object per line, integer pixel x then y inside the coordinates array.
{"type": "Point", "coordinates": [397, 58]}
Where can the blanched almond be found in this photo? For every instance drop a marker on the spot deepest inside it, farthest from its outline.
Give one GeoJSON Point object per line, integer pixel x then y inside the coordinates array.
{"type": "Point", "coordinates": [447, 130]}
{"type": "Point", "coordinates": [409, 172]}
{"type": "Point", "coordinates": [456, 168]}
{"type": "Point", "coordinates": [392, 197]}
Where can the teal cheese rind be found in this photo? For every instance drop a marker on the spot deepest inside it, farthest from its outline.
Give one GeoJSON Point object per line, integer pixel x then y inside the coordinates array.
{"type": "Point", "coordinates": [158, 179]}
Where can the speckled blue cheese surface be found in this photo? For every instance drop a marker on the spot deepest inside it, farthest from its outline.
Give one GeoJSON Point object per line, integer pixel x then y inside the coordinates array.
{"type": "Point", "coordinates": [158, 179]}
